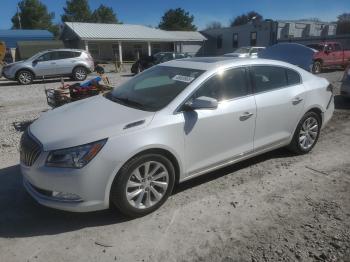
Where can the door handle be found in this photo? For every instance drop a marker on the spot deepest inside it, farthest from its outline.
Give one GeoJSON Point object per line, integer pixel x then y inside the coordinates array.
{"type": "Point", "coordinates": [245, 116]}
{"type": "Point", "coordinates": [53, 63]}
{"type": "Point", "coordinates": [297, 100]}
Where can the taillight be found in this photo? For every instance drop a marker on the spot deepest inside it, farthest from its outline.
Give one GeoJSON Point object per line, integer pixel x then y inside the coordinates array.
{"type": "Point", "coordinates": [330, 88]}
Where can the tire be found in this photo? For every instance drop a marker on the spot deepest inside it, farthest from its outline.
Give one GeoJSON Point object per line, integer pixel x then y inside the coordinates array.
{"type": "Point", "coordinates": [133, 194]}
{"type": "Point", "coordinates": [25, 77]}
{"type": "Point", "coordinates": [79, 73]}
{"type": "Point", "coordinates": [317, 67]}
{"type": "Point", "coordinates": [308, 128]}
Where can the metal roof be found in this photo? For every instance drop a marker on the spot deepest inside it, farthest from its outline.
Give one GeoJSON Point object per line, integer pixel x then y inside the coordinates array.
{"type": "Point", "coordinates": [11, 37]}
{"type": "Point", "coordinates": [94, 31]}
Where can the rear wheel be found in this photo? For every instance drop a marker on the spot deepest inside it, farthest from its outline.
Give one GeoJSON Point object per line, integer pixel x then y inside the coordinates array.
{"type": "Point", "coordinates": [25, 77]}
{"type": "Point", "coordinates": [143, 185]}
{"type": "Point", "coordinates": [79, 73]}
{"type": "Point", "coordinates": [317, 67]}
{"type": "Point", "coordinates": [306, 133]}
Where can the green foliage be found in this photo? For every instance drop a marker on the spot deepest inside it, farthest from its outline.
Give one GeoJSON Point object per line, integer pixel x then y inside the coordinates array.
{"type": "Point", "coordinates": [177, 20]}
{"type": "Point", "coordinates": [34, 15]}
{"type": "Point", "coordinates": [104, 14]}
{"type": "Point", "coordinates": [246, 18]}
{"type": "Point", "coordinates": [76, 11]}
{"type": "Point", "coordinates": [343, 24]}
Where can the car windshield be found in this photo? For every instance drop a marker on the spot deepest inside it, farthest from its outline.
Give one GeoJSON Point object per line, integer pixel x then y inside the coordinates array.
{"type": "Point", "coordinates": [317, 47]}
{"type": "Point", "coordinates": [242, 50]}
{"type": "Point", "coordinates": [155, 88]}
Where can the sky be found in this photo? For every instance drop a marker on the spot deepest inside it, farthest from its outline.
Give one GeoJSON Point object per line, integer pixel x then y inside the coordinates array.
{"type": "Point", "coordinates": [149, 12]}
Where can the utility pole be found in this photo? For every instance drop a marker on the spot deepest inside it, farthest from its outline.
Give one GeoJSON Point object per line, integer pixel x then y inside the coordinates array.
{"type": "Point", "coordinates": [19, 18]}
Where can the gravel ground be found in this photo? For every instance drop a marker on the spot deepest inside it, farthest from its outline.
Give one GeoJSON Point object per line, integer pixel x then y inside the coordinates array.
{"type": "Point", "coordinates": [274, 207]}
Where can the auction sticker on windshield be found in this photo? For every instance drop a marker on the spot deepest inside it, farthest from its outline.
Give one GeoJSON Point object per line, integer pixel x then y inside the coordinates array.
{"type": "Point", "coordinates": [186, 79]}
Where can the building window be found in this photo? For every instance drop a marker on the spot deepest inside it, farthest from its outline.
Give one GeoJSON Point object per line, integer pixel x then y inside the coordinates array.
{"type": "Point", "coordinates": [94, 50]}
{"type": "Point", "coordinates": [235, 40]}
{"type": "Point", "coordinates": [115, 49]}
{"type": "Point", "coordinates": [219, 42]}
{"type": "Point", "coordinates": [253, 37]}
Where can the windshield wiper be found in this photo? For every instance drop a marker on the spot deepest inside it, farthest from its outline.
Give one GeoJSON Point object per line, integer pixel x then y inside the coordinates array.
{"type": "Point", "coordinates": [125, 101]}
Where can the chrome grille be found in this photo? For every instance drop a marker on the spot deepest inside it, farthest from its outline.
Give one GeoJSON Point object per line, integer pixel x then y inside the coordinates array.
{"type": "Point", "coordinates": [30, 149]}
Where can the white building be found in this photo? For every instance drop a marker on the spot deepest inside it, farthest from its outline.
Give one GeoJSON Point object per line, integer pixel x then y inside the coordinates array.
{"type": "Point", "coordinates": [125, 42]}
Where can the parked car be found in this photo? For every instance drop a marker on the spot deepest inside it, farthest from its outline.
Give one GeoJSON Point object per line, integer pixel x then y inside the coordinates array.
{"type": "Point", "coordinates": [246, 51]}
{"type": "Point", "coordinates": [345, 86]}
{"type": "Point", "coordinates": [329, 55]}
{"type": "Point", "coordinates": [148, 61]}
{"type": "Point", "coordinates": [51, 63]}
{"type": "Point", "coordinates": [169, 124]}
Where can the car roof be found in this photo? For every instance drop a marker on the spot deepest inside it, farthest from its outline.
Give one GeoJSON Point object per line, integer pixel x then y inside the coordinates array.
{"type": "Point", "coordinates": [211, 63]}
{"type": "Point", "coordinates": [64, 49]}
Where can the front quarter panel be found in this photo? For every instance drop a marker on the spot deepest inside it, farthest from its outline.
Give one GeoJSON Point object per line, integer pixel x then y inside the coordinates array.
{"type": "Point", "coordinates": [165, 132]}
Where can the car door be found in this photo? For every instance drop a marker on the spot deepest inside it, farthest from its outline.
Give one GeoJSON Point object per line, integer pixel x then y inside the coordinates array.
{"type": "Point", "coordinates": [45, 65]}
{"type": "Point", "coordinates": [225, 133]}
{"type": "Point", "coordinates": [66, 62]}
{"type": "Point", "coordinates": [338, 55]}
{"type": "Point", "coordinates": [280, 99]}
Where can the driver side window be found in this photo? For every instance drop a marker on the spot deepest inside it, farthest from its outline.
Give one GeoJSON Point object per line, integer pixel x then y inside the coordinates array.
{"type": "Point", "coordinates": [231, 84]}
{"type": "Point", "coordinates": [48, 56]}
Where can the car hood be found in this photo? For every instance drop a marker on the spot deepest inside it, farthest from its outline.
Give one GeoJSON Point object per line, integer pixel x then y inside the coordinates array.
{"type": "Point", "coordinates": [86, 121]}
{"type": "Point", "coordinates": [14, 63]}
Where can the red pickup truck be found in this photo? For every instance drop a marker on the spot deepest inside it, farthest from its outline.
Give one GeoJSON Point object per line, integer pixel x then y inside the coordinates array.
{"type": "Point", "coordinates": [329, 55]}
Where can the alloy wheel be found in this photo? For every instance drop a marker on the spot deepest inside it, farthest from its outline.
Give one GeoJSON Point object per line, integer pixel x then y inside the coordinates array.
{"type": "Point", "coordinates": [25, 78]}
{"type": "Point", "coordinates": [308, 133]}
{"type": "Point", "coordinates": [147, 185]}
{"type": "Point", "coordinates": [80, 74]}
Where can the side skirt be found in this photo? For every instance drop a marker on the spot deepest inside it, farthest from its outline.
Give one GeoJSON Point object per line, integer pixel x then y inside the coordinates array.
{"type": "Point", "coordinates": [238, 158]}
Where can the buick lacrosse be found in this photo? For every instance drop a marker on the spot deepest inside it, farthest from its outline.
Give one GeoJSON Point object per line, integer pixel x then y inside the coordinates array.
{"type": "Point", "coordinates": [171, 123]}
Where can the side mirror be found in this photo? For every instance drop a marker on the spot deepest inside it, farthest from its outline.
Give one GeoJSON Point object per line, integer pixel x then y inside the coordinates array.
{"type": "Point", "coordinates": [35, 61]}
{"type": "Point", "coordinates": [202, 102]}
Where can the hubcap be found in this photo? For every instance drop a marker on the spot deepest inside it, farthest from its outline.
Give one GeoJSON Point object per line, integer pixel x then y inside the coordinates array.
{"type": "Point", "coordinates": [308, 133]}
{"type": "Point", "coordinates": [147, 184]}
{"type": "Point", "coordinates": [80, 74]}
{"type": "Point", "coordinates": [25, 78]}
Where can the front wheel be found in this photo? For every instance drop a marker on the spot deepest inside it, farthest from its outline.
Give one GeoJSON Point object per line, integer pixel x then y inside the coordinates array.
{"type": "Point", "coordinates": [79, 73]}
{"type": "Point", "coordinates": [306, 133]}
{"type": "Point", "coordinates": [143, 185]}
{"type": "Point", "coordinates": [25, 77]}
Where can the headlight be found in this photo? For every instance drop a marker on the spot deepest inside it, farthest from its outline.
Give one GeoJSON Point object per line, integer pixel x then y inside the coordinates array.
{"type": "Point", "coordinates": [75, 157]}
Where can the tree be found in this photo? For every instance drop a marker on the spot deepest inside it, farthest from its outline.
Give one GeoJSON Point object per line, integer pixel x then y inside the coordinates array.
{"type": "Point", "coordinates": [76, 11]}
{"type": "Point", "coordinates": [343, 24]}
{"type": "Point", "coordinates": [104, 14]}
{"type": "Point", "coordinates": [246, 18]}
{"type": "Point", "coordinates": [177, 19]}
{"type": "Point", "coordinates": [33, 14]}
{"type": "Point", "coordinates": [214, 25]}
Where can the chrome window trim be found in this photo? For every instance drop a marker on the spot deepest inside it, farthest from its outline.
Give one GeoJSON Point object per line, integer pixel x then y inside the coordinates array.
{"type": "Point", "coordinates": [278, 88]}
{"type": "Point", "coordinates": [249, 86]}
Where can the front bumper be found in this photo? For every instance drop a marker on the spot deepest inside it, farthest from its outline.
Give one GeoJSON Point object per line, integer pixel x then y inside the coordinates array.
{"type": "Point", "coordinates": [90, 183]}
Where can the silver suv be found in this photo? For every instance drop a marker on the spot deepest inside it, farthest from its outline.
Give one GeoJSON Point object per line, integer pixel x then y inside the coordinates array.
{"type": "Point", "coordinates": [51, 63]}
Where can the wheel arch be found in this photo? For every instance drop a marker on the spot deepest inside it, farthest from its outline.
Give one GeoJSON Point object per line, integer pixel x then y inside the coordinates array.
{"type": "Point", "coordinates": [24, 69]}
{"type": "Point", "coordinates": [155, 149]}
{"type": "Point", "coordinates": [80, 65]}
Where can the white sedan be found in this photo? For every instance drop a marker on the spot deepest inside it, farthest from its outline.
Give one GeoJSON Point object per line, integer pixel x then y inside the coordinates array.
{"type": "Point", "coordinates": [171, 123]}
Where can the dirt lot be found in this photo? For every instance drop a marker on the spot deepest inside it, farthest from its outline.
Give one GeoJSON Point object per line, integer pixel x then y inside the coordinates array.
{"type": "Point", "coordinates": [275, 207]}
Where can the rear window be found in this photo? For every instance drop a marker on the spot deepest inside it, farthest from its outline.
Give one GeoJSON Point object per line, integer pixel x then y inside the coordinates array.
{"type": "Point", "coordinates": [268, 78]}
{"type": "Point", "coordinates": [317, 47]}
{"type": "Point", "coordinates": [293, 77]}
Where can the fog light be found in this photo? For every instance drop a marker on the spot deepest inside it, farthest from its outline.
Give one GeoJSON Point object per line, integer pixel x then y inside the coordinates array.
{"type": "Point", "coordinates": [66, 196]}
